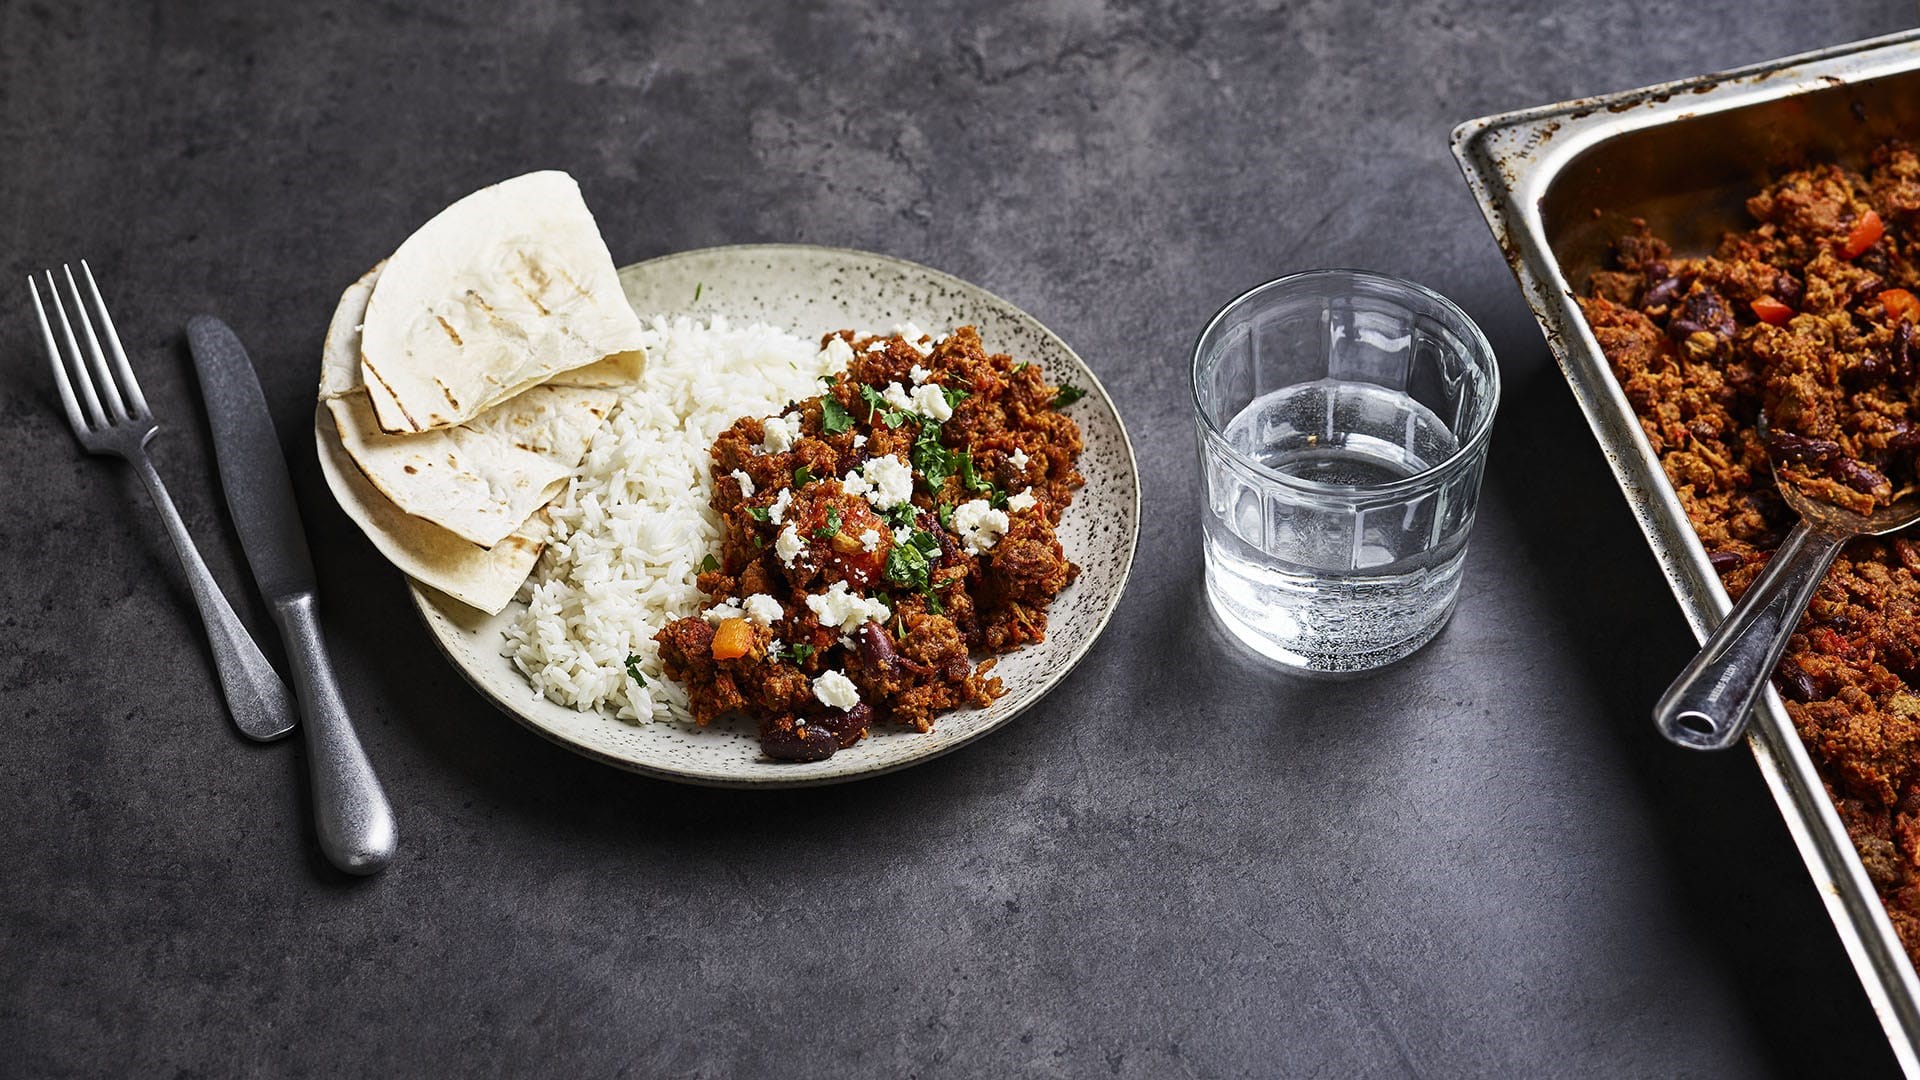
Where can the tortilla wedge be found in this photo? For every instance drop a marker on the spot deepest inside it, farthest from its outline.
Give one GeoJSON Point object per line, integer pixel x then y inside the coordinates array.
{"type": "Point", "coordinates": [496, 294]}
{"type": "Point", "coordinates": [481, 479]}
{"type": "Point", "coordinates": [484, 578]}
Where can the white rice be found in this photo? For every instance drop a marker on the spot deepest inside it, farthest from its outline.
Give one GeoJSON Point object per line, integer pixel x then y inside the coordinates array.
{"type": "Point", "coordinates": [634, 523]}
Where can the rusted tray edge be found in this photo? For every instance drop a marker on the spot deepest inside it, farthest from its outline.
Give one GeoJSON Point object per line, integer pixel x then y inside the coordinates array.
{"type": "Point", "coordinates": [1509, 160]}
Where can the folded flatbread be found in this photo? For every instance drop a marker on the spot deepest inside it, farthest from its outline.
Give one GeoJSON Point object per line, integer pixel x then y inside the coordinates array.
{"type": "Point", "coordinates": [484, 578]}
{"type": "Point", "coordinates": [498, 293]}
{"type": "Point", "coordinates": [480, 479]}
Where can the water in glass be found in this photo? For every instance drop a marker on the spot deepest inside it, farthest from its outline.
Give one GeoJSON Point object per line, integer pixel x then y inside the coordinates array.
{"type": "Point", "coordinates": [1327, 584]}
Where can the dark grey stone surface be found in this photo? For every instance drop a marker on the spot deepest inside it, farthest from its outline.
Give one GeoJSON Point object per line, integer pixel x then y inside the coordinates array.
{"type": "Point", "coordinates": [1479, 862]}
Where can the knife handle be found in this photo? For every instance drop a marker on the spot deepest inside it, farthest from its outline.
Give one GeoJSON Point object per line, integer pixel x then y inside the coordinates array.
{"type": "Point", "coordinates": [350, 811]}
{"type": "Point", "coordinates": [256, 698]}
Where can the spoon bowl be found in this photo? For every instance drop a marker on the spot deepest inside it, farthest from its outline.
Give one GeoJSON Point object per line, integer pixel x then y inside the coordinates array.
{"type": "Point", "coordinates": [1709, 704]}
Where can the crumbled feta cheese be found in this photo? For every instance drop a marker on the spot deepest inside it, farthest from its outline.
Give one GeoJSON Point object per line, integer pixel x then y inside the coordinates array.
{"type": "Point", "coordinates": [788, 546]}
{"type": "Point", "coordinates": [859, 441]}
{"type": "Point", "coordinates": [919, 374]}
{"type": "Point", "coordinates": [903, 535]}
{"type": "Point", "coordinates": [870, 539]}
{"type": "Point", "coordinates": [842, 610]}
{"type": "Point", "coordinates": [979, 525]}
{"type": "Point", "coordinates": [746, 483]}
{"type": "Point", "coordinates": [930, 401]}
{"type": "Point", "coordinates": [774, 647]}
{"type": "Point", "coordinates": [885, 481]}
{"type": "Point", "coordinates": [897, 396]}
{"type": "Point", "coordinates": [782, 432]}
{"type": "Point", "coordinates": [912, 335]}
{"type": "Point", "coordinates": [838, 353]}
{"type": "Point", "coordinates": [891, 481]}
{"type": "Point", "coordinates": [876, 346]}
{"type": "Point", "coordinates": [777, 513]}
{"type": "Point", "coordinates": [835, 690]}
{"type": "Point", "coordinates": [1018, 459]}
{"type": "Point", "coordinates": [763, 609]}
{"type": "Point", "coordinates": [1022, 501]}
{"type": "Point", "coordinates": [721, 612]}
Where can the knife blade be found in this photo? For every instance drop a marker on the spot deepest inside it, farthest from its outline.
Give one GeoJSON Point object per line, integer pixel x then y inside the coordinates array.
{"type": "Point", "coordinates": [351, 813]}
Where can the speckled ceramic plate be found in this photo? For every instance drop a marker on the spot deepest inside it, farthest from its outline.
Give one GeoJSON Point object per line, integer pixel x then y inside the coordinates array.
{"type": "Point", "coordinates": [810, 290]}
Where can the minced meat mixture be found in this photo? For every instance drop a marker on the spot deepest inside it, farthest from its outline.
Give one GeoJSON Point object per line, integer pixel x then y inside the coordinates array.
{"type": "Point", "coordinates": [877, 536]}
{"type": "Point", "coordinates": [1807, 316]}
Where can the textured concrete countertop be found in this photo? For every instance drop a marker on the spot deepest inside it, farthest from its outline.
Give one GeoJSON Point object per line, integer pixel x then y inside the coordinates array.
{"type": "Point", "coordinates": [1182, 863]}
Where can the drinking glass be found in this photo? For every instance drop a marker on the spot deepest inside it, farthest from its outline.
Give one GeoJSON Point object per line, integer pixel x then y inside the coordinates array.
{"type": "Point", "coordinates": [1343, 420]}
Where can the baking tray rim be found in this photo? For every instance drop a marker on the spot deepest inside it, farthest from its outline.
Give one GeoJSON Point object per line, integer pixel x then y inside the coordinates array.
{"type": "Point", "coordinates": [1510, 160]}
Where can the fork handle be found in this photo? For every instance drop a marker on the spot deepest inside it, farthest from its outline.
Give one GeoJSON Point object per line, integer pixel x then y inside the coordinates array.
{"type": "Point", "coordinates": [261, 707]}
{"type": "Point", "coordinates": [1708, 705]}
{"type": "Point", "coordinates": [350, 810]}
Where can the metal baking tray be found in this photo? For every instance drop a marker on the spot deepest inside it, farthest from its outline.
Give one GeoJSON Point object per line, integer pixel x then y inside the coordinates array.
{"type": "Point", "coordinates": [1557, 184]}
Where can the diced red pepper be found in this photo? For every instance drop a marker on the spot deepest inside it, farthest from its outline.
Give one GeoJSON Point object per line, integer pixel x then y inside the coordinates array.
{"type": "Point", "coordinates": [1899, 304]}
{"type": "Point", "coordinates": [731, 639]}
{"type": "Point", "coordinates": [1769, 310]}
{"type": "Point", "coordinates": [1866, 232]}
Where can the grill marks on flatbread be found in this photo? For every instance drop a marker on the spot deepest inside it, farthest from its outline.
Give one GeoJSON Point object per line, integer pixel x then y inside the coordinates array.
{"type": "Point", "coordinates": [483, 578]}
{"type": "Point", "coordinates": [504, 290]}
{"type": "Point", "coordinates": [466, 376]}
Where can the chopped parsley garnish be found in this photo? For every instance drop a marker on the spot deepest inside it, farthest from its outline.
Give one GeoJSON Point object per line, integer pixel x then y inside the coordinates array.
{"type": "Point", "coordinates": [1019, 367]}
{"type": "Point", "coordinates": [954, 395]}
{"type": "Point", "coordinates": [796, 653]}
{"type": "Point", "coordinates": [907, 565]}
{"type": "Point", "coordinates": [877, 406]}
{"type": "Point", "coordinates": [1068, 394]}
{"type": "Point", "coordinates": [933, 461]}
{"type": "Point", "coordinates": [633, 665]}
{"type": "Point", "coordinates": [997, 499]}
{"type": "Point", "coordinates": [758, 513]}
{"type": "Point", "coordinates": [911, 565]}
{"type": "Point", "coordinates": [709, 564]}
{"type": "Point", "coordinates": [802, 476]}
{"type": "Point", "coordinates": [970, 478]}
{"type": "Point", "coordinates": [902, 515]}
{"type": "Point", "coordinates": [832, 527]}
{"type": "Point", "coordinates": [944, 513]}
{"type": "Point", "coordinates": [698, 288]}
{"type": "Point", "coordinates": [834, 417]}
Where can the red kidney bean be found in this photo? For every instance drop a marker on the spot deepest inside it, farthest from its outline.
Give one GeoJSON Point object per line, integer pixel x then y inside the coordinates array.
{"type": "Point", "coordinates": [1788, 290]}
{"type": "Point", "coordinates": [847, 727]}
{"type": "Point", "coordinates": [1795, 684]}
{"type": "Point", "coordinates": [1724, 561]}
{"type": "Point", "coordinates": [1857, 475]}
{"type": "Point", "coordinates": [1703, 310]}
{"type": "Point", "coordinates": [806, 743]}
{"type": "Point", "coordinates": [1661, 292]}
{"type": "Point", "coordinates": [1787, 446]}
{"type": "Point", "coordinates": [877, 651]}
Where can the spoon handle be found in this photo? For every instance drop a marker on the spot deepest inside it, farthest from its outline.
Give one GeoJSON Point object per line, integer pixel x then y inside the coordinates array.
{"type": "Point", "coordinates": [1708, 706]}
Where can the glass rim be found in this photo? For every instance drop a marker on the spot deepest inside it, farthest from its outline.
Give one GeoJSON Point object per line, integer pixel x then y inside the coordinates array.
{"type": "Point", "coordinates": [1469, 448]}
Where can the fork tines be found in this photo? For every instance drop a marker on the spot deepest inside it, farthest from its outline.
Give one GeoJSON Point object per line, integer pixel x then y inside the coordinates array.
{"type": "Point", "coordinates": [109, 395]}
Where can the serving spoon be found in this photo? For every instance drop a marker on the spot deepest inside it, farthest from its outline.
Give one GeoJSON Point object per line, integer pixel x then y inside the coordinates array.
{"type": "Point", "coordinates": [1709, 704]}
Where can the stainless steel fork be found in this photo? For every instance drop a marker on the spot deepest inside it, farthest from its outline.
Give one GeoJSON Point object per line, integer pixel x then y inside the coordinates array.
{"type": "Point", "coordinates": [109, 415]}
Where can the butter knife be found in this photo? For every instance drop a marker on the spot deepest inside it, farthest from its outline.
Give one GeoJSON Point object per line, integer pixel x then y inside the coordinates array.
{"type": "Point", "coordinates": [351, 812]}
